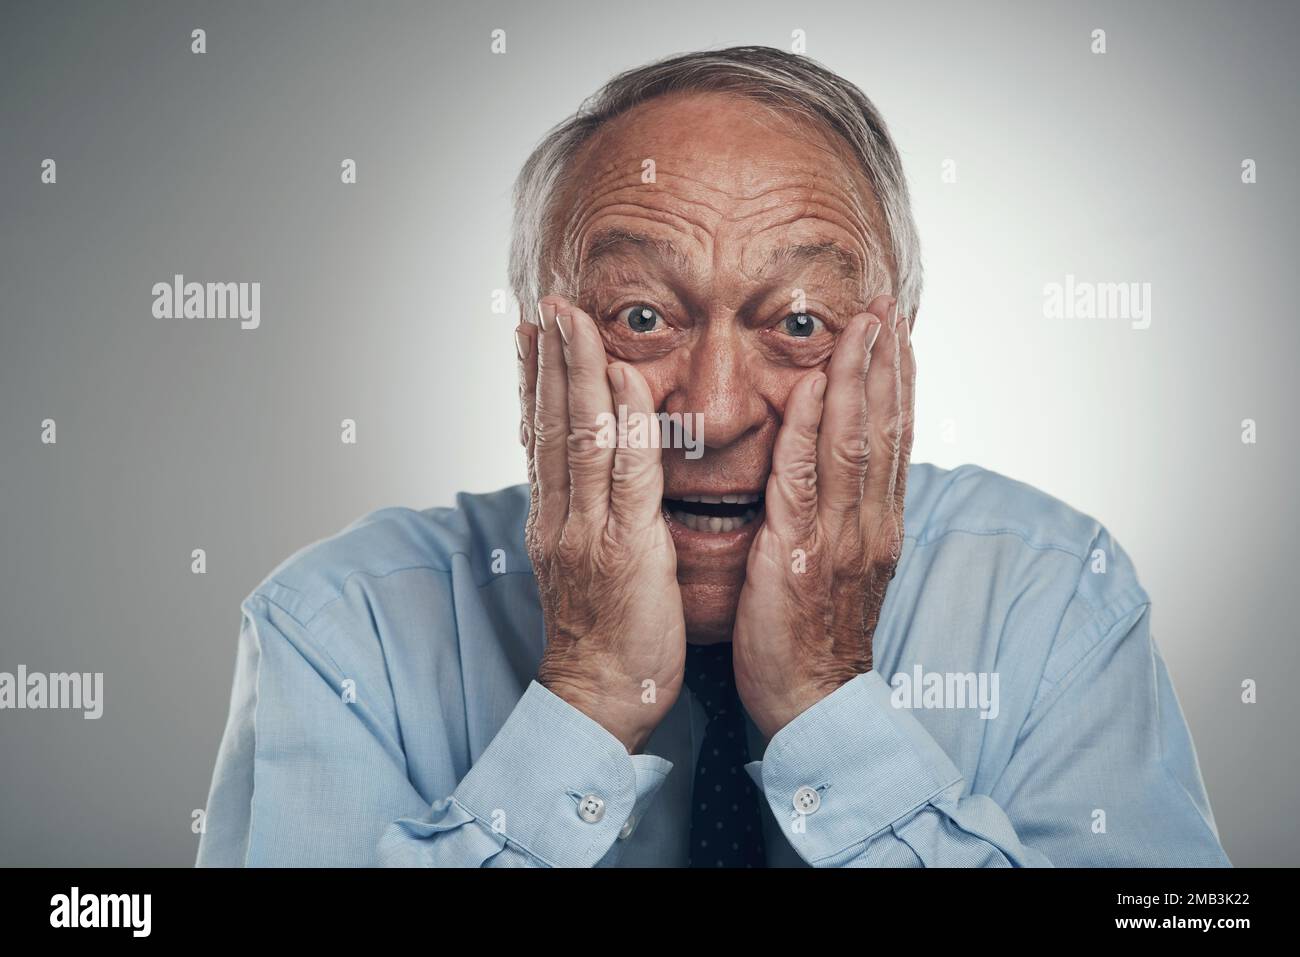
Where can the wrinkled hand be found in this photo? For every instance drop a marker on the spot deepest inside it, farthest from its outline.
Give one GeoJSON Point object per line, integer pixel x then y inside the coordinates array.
{"type": "Point", "coordinates": [604, 560]}
{"type": "Point", "coordinates": [833, 529]}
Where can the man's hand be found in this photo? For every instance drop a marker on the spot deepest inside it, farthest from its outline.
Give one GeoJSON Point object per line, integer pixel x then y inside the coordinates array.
{"type": "Point", "coordinates": [833, 529]}
{"type": "Point", "coordinates": [605, 563]}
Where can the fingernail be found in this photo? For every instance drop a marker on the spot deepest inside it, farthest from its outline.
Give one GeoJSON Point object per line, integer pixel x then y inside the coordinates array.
{"type": "Point", "coordinates": [819, 387]}
{"type": "Point", "coordinates": [616, 377]}
{"type": "Point", "coordinates": [565, 322]}
{"type": "Point", "coordinates": [872, 331]}
{"type": "Point", "coordinates": [903, 330]}
{"type": "Point", "coordinates": [520, 344]}
{"type": "Point", "coordinates": [547, 312]}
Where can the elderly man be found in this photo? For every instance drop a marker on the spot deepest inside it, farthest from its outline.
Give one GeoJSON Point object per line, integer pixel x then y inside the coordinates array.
{"type": "Point", "coordinates": [787, 649]}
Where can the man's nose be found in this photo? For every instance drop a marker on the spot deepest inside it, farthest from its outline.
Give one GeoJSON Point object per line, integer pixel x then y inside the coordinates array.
{"type": "Point", "coordinates": [716, 381]}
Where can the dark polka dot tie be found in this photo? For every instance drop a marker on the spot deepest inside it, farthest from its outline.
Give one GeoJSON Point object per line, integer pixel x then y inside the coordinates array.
{"type": "Point", "coordinates": [726, 821]}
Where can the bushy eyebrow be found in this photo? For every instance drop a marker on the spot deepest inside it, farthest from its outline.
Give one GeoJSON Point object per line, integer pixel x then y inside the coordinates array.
{"type": "Point", "coordinates": [846, 262]}
{"type": "Point", "coordinates": [610, 242]}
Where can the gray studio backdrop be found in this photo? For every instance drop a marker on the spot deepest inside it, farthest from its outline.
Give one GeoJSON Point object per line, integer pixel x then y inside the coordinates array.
{"type": "Point", "coordinates": [1031, 158]}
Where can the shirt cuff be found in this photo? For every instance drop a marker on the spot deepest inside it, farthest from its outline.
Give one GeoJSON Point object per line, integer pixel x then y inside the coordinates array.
{"type": "Point", "coordinates": [535, 783]}
{"type": "Point", "coordinates": [868, 763]}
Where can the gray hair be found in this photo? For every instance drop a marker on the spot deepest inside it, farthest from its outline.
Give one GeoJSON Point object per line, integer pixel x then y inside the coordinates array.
{"type": "Point", "coordinates": [788, 82]}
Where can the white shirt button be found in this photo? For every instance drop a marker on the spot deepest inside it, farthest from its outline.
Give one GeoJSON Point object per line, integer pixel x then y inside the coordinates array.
{"type": "Point", "coordinates": [626, 830]}
{"type": "Point", "coordinates": [807, 800]}
{"type": "Point", "coordinates": [591, 809]}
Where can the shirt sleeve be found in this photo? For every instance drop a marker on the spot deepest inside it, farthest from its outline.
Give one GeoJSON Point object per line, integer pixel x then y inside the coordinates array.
{"type": "Point", "coordinates": [581, 794]}
{"type": "Point", "coordinates": [309, 775]}
{"type": "Point", "coordinates": [1103, 773]}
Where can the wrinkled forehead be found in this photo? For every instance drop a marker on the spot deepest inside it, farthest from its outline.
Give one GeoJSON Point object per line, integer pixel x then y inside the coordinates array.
{"type": "Point", "coordinates": [717, 169]}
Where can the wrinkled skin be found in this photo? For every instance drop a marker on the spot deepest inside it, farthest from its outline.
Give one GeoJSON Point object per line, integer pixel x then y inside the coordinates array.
{"type": "Point", "coordinates": [818, 421]}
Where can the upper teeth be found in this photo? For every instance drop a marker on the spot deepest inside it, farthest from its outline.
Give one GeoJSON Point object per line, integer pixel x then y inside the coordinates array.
{"type": "Point", "coordinates": [730, 499]}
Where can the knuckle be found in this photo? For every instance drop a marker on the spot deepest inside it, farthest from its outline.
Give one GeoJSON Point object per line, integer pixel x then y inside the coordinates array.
{"type": "Point", "coordinates": [570, 552]}
{"type": "Point", "coordinates": [888, 548]}
{"type": "Point", "coordinates": [881, 568]}
{"type": "Point", "coordinates": [613, 550]}
{"type": "Point", "coordinates": [544, 440]}
{"type": "Point", "coordinates": [887, 436]}
{"type": "Point", "coordinates": [631, 471]}
{"type": "Point", "coordinates": [850, 567]}
{"type": "Point", "coordinates": [798, 477]}
{"type": "Point", "coordinates": [584, 439]}
{"type": "Point", "coordinates": [547, 428]}
{"type": "Point", "coordinates": [851, 454]}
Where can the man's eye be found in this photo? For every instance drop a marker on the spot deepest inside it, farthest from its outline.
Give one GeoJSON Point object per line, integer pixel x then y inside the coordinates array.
{"type": "Point", "coordinates": [640, 318]}
{"type": "Point", "coordinates": [802, 325]}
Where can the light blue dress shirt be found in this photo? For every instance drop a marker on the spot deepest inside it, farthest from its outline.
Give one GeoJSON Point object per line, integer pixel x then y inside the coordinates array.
{"type": "Point", "coordinates": [384, 711]}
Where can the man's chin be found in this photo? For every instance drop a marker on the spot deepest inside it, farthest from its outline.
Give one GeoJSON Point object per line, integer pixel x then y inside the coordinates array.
{"type": "Point", "coordinates": [710, 612]}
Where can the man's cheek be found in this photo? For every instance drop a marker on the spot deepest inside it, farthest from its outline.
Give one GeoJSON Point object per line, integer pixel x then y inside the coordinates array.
{"type": "Point", "coordinates": [660, 376]}
{"type": "Point", "coordinates": [776, 384]}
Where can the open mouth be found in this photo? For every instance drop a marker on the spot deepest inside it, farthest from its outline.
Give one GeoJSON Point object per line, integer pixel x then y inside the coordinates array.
{"type": "Point", "coordinates": [715, 513]}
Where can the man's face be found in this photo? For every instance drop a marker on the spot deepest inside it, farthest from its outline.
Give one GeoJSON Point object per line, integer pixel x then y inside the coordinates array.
{"type": "Point", "coordinates": [694, 278]}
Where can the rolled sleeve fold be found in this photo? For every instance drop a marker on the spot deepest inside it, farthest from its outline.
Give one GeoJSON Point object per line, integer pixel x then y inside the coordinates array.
{"type": "Point", "coordinates": [527, 786]}
{"type": "Point", "coordinates": [871, 764]}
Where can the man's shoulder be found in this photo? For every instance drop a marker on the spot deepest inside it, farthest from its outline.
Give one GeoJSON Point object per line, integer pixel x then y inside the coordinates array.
{"type": "Point", "coordinates": [479, 529]}
{"type": "Point", "coordinates": [973, 500]}
{"type": "Point", "coordinates": [1036, 530]}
